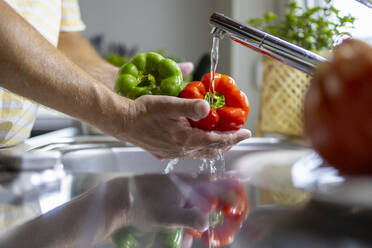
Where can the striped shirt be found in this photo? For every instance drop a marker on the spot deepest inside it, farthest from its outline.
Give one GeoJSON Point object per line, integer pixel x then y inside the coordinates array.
{"type": "Point", "coordinates": [49, 18]}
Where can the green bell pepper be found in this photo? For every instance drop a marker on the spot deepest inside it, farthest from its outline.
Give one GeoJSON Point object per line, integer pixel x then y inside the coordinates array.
{"type": "Point", "coordinates": [149, 74]}
{"type": "Point", "coordinates": [132, 238]}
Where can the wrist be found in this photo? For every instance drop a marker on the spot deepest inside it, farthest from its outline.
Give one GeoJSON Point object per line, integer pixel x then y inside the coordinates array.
{"type": "Point", "coordinates": [112, 113]}
{"type": "Point", "coordinates": [111, 75]}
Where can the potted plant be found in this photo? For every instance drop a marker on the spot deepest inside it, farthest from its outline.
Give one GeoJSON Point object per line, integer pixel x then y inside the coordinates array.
{"type": "Point", "coordinates": [283, 88]}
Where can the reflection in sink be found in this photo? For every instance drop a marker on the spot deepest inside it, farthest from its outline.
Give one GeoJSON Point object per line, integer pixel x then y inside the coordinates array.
{"type": "Point", "coordinates": [88, 162]}
{"type": "Point", "coordinates": [96, 165]}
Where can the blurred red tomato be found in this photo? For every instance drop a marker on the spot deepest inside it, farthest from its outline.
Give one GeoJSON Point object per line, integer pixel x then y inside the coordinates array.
{"type": "Point", "coordinates": [338, 108]}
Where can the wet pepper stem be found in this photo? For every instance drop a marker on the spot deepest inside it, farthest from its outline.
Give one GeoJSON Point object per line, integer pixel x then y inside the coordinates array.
{"type": "Point", "coordinates": [216, 219]}
{"type": "Point", "coordinates": [215, 99]}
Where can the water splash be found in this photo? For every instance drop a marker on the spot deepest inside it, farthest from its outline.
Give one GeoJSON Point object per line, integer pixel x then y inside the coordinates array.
{"type": "Point", "coordinates": [203, 165]}
{"type": "Point", "coordinates": [212, 166]}
{"type": "Point", "coordinates": [208, 165]}
{"type": "Point", "coordinates": [211, 237]}
{"type": "Point", "coordinates": [170, 166]}
{"type": "Point", "coordinates": [222, 159]}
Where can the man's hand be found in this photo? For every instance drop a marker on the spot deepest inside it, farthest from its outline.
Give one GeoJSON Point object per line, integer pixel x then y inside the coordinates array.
{"type": "Point", "coordinates": [159, 125]}
{"type": "Point", "coordinates": [159, 202]}
{"type": "Point", "coordinates": [152, 202]}
{"type": "Point", "coordinates": [78, 50]}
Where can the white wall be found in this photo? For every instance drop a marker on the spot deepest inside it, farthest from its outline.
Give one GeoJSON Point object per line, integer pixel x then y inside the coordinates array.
{"type": "Point", "coordinates": [179, 26]}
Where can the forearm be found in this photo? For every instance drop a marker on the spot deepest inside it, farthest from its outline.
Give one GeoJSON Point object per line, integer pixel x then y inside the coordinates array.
{"type": "Point", "coordinates": [32, 67]}
{"type": "Point", "coordinates": [83, 54]}
{"type": "Point", "coordinates": [83, 222]}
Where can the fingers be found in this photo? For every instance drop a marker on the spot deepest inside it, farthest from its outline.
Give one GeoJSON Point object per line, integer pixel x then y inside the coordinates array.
{"type": "Point", "coordinates": [187, 240]}
{"type": "Point", "coordinates": [211, 145]}
{"type": "Point", "coordinates": [194, 109]}
{"type": "Point", "coordinates": [218, 139]}
{"type": "Point", "coordinates": [186, 68]}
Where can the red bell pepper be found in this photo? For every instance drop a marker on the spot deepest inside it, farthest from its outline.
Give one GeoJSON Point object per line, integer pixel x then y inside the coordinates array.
{"type": "Point", "coordinates": [227, 198]}
{"type": "Point", "coordinates": [230, 107]}
{"type": "Point", "coordinates": [196, 90]}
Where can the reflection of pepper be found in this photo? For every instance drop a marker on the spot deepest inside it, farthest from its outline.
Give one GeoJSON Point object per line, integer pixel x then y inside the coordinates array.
{"type": "Point", "coordinates": [149, 74]}
{"type": "Point", "coordinates": [228, 198]}
{"type": "Point", "coordinates": [132, 238]}
{"type": "Point", "coordinates": [230, 107]}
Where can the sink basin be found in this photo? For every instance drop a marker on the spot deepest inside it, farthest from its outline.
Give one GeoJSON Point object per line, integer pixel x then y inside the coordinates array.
{"type": "Point", "coordinates": [92, 165]}
{"type": "Point", "coordinates": [55, 168]}
{"type": "Point", "coordinates": [137, 161]}
{"type": "Point", "coordinates": [134, 160]}
{"type": "Point", "coordinates": [81, 162]}
{"type": "Point", "coordinates": [103, 154]}
{"type": "Point", "coordinates": [93, 159]}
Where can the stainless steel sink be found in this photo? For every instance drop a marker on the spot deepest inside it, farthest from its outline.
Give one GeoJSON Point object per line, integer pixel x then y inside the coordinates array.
{"type": "Point", "coordinates": [103, 154]}
{"type": "Point", "coordinates": [79, 162]}
{"type": "Point", "coordinates": [57, 167]}
{"type": "Point", "coordinates": [137, 161]}
{"type": "Point", "coordinates": [93, 159]}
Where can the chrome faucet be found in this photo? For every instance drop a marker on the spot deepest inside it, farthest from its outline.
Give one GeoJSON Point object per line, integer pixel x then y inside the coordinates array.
{"type": "Point", "coordinates": [367, 3]}
{"type": "Point", "coordinates": [266, 44]}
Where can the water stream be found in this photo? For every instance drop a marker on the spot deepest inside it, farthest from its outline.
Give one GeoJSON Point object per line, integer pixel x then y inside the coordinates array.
{"type": "Point", "coordinates": [214, 63]}
{"type": "Point", "coordinates": [207, 165]}
{"type": "Point", "coordinates": [170, 166]}
{"type": "Point", "coordinates": [211, 237]}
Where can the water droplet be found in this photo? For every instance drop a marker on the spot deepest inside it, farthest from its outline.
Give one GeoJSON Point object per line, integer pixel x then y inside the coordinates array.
{"type": "Point", "coordinates": [170, 166]}
{"type": "Point", "coordinates": [222, 159]}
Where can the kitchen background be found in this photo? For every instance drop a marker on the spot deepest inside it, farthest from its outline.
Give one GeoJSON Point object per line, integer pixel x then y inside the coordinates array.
{"type": "Point", "coordinates": [181, 28]}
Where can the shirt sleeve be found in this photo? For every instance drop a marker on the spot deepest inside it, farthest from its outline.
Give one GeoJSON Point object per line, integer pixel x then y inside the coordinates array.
{"type": "Point", "coordinates": [71, 17]}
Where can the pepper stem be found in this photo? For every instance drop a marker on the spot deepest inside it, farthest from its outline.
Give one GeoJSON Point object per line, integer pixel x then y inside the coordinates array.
{"type": "Point", "coordinates": [146, 80]}
{"type": "Point", "coordinates": [215, 99]}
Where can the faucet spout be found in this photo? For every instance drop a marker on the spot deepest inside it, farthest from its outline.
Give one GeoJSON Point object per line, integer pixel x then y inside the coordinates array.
{"type": "Point", "coordinates": [219, 33]}
{"type": "Point", "coordinates": [267, 44]}
{"type": "Point", "coordinates": [367, 3]}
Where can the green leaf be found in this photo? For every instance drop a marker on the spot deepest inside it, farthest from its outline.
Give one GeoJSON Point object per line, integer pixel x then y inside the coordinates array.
{"type": "Point", "coordinates": [269, 16]}
{"type": "Point", "coordinates": [315, 28]}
